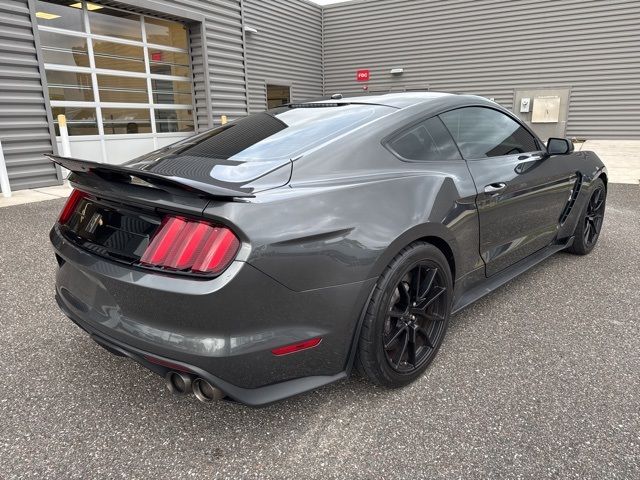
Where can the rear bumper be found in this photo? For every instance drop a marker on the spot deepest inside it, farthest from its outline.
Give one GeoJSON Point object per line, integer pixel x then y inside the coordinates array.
{"type": "Point", "coordinates": [253, 397]}
{"type": "Point", "coordinates": [222, 329]}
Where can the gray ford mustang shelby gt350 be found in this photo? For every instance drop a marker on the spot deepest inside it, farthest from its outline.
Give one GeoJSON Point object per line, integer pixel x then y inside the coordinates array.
{"type": "Point", "coordinates": [271, 255]}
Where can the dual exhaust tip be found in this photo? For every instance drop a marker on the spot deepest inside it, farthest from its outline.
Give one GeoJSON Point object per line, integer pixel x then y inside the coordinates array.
{"type": "Point", "coordinates": [182, 383]}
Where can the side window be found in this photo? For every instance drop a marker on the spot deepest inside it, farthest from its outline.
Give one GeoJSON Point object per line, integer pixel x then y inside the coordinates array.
{"type": "Point", "coordinates": [429, 140]}
{"type": "Point", "coordinates": [484, 132]}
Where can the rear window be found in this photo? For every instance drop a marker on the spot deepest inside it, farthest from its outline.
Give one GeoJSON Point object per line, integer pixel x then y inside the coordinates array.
{"type": "Point", "coordinates": [428, 140]}
{"type": "Point", "coordinates": [283, 132]}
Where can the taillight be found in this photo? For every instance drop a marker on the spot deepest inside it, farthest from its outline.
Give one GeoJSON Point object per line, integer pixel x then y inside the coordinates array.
{"type": "Point", "coordinates": [192, 246]}
{"type": "Point", "coordinates": [70, 206]}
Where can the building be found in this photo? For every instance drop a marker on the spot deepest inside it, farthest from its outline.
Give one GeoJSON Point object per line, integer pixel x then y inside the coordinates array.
{"type": "Point", "coordinates": [587, 52]}
{"type": "Point", "coordinates": [135, 75]}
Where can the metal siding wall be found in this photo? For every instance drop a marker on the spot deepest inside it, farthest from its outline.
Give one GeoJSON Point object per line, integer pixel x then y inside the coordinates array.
{"type": "Point", "coordinates": [287, 48]}
{"type": "Point", "coordinates": [226, 58]}
{"type": "Point", "coordinates": [24, 127]}
{"type": "Point", "coordinates": [492, 47]}
{"type": "Point", "coordinates": [200, 82]}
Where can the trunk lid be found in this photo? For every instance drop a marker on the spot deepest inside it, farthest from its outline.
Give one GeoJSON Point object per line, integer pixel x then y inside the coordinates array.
{"type": "Point", "coordinates": [108, 229]}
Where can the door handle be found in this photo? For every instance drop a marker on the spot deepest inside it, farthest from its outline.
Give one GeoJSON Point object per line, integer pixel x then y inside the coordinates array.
{"type": "Point", "coordinates": [530, 158]}
{"type": "Point", "coordinates": [495, 187]}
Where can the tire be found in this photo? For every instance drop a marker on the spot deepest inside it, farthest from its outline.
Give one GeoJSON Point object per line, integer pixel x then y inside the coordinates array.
{"type": "Point", "coordinates": [589, 226]}
{"type": "Point", "coordinates": [405, 325]}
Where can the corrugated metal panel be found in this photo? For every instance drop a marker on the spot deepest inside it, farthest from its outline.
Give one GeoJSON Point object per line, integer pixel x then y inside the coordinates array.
{"type": "Point", "coordinates": [200, 80]}
{"type": "Point", "coordinates": [287, 48]}
{"type": "Point", "coordinates": [225, 58]}
{"type": "Point", "coordinates": [493, 47]}
{"type": "Point", "coordinates": [24, 127]}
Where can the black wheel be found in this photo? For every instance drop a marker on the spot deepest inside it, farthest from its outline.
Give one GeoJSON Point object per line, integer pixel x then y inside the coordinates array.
{"type": "Point", "coordinates": [590, 224]}
{"type": "Point", "coordinates": [407, 317]}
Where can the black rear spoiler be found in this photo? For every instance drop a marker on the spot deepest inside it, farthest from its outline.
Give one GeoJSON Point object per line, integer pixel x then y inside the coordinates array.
{"type": "Point", "coordinates": [212, 190]}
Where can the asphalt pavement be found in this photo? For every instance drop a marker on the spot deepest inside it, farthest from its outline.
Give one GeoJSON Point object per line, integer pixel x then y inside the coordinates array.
{"type": "Point", "coordinates": [540, 379]}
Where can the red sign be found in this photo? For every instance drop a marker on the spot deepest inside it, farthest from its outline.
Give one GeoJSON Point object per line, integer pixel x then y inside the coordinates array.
{"type": "Point", "coordinates": [362, 75]}
{"type": "Point", "coordinates": [156, 56]}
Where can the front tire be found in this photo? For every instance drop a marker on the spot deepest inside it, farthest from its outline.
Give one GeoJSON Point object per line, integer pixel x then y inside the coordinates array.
{"type": "Point", "coordinates": [588, 229]}
{"type": "Point", "coordinates": [407, 317]}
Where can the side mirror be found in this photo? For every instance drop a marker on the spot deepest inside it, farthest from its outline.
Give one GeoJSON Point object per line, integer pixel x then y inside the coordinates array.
{"type": "Point", "coordinates": [559, 146]}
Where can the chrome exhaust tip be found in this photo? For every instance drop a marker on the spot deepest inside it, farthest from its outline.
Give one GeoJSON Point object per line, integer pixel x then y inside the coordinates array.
{"type": "Point", "coordinates": [179, 383]}
{"type": "Point", "coordinates": [205, 392]}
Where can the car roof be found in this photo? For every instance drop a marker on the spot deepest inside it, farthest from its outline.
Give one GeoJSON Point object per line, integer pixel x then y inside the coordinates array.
{"type": "Point", "coordinates": [402, 99]}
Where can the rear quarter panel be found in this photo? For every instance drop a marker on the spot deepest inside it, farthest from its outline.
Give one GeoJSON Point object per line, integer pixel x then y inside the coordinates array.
{"type": "Point", "coordinates": [349, 209]}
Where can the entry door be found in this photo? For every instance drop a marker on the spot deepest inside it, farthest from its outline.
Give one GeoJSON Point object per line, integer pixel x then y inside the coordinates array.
{"type": "Point", "coordinates": [521, 193]}
{"type": "Point", "coordinates": [278, 95]}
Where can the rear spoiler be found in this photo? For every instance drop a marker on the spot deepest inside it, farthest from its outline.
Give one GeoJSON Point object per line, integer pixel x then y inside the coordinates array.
{"type": "Point", "coordinates": [212, 190]}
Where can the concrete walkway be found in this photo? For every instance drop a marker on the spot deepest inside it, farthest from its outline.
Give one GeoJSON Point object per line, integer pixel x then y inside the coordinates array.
{"type": "Point", "coordinates": [621, 157]}
{"type": "Point", "coordinates": [35, 195]}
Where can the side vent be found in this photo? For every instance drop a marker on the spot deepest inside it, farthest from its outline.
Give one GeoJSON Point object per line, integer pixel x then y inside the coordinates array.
{"type": "Point", "coordinates": [572, 198]}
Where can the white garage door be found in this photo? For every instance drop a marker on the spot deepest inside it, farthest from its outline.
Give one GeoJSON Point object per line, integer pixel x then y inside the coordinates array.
{"type": "Point", "coordinates": [123, 80]}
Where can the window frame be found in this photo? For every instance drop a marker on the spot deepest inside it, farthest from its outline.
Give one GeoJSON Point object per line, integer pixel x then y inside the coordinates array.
{"type": "Point", "coordinates": [94, 71]}
{"type": "Point", "coordinates": [539, 144]}
{"type": "Point", "coordinates": [268, 84]}
{"type": "Point", "coordinates": [386, 141]}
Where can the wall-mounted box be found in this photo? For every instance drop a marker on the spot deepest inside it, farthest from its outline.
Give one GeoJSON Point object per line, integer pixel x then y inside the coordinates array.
{"type": "Point", "coordinates": [546, 109]}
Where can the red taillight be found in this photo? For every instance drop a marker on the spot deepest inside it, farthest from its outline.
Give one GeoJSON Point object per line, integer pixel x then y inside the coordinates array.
{"type": "Point", "coordinates": [296, 347]}
{"type": "Point", "coordinates": [191, 245]}
{"type": "Point", "coordinates": [70, 206]}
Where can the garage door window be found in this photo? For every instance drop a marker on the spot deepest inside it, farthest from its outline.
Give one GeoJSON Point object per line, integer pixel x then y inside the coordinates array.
{"type": "Point", "coordinates": [113, 72]}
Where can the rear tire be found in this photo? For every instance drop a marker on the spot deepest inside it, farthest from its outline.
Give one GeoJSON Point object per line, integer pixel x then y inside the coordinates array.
{"type": "Point", "coordinates": [590, 224]}
{"type": "Point", "coordinates": [407, 317]}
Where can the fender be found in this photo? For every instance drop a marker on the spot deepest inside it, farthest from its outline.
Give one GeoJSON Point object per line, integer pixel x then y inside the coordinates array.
{"type": "Point", "coordinates": [420, 232]}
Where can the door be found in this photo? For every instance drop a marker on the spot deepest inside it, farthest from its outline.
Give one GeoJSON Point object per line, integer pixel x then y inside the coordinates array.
{"type": "Point", "coordinates": [521, 192]}
{"type": "Point", "coordinates": [278, 95]}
